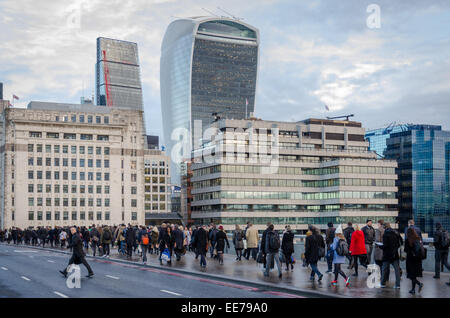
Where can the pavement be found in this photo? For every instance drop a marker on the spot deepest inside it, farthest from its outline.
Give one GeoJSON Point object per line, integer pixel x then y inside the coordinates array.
{"type": "Point", "coordinates": [233, 279]}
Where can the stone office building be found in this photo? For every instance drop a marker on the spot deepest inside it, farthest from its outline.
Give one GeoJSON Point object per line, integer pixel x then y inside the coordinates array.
{"type": "Point", "coordinates": [65, 164]}
{"type": "Point", "coordinates": [318, 171]}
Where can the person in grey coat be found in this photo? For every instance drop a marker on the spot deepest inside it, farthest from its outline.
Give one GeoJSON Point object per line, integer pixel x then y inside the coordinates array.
{"type": "Point", "coordinates": [379, 239]}
{"type": "Point", "coordinates": [238, 241]}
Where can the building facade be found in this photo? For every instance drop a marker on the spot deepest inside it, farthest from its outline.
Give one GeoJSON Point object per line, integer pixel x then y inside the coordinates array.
{"type": "Point", "coordinates": [422, 153]}
{"type": "Point", "coordinates": [208, 65]}
{"type": "Point", "coordinates": [316, 171]}
{"type": "Point", "coordinates": [157, 187]}
{"type": "Point", "coordinates": [68, 164]}
{"type": "Point", "coordinates": [118, 79]}
{"type": "Point", "coordinates": [377, 137]}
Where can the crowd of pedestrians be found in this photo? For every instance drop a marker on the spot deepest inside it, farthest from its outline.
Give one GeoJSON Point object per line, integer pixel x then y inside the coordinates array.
{"type": "Point", "coordinates": [338, 246]}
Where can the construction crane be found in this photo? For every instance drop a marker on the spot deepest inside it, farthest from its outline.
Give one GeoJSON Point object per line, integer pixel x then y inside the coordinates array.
{"type": "Point", "coordinates": [345, 116]}
{"type": "Point", "coordinates": [231, 15]}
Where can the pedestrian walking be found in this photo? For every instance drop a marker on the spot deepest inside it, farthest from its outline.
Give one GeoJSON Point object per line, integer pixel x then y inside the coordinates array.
{"type": "Point", "coordinates": [262, 246]}
{"type": "Point", "coordinates": [201, 244]}
{"type": "Point", "coordinates": [412, 224]}
{"type": "Point", "coordinates": [287, 247]}
{"type": "Point", "coordinates": [378, 254]}
{"type": "Point", "coordinates": [94, 238]}
{"type": "Point", "coordinates": [413, 250]}
{"type": "Point", "coordinates": [178, 242]}
{"type": "Point", "coordinates": [271, 248]}
{"type": "Point", "coordinates": [221, 239]}
{"type": "Point", "coordinates": [130, 238]}
{"type": "Point", "coordinates": [154, 238]}
{"type": "Point", "coordinates": [369, 239]}
{"type": "Point", "coordinates": [314, 251]}
{"type": "Point", "coordinates": [441, 245]}
{"type": "Point", "coordinates": [238, 242]}
{"type": "Point", "coordinates": [105, 240]}
{"type": "Point", "coordinates": [78, 256]}
{"type": "Point", "coordinates": [329, 239]}
{"type": "Point", "coordinates": [358, 249]}
{"type": "Point", "coordinates": [252, 238]}
{"type": "Point", "coordinates": [338, 248]}
{"type": "Point", "coordinates": [391, 243]}
{"type": "Point", "coordinates": [167, 242]}
{"type": "Point", "coordinates": [212, 239]}
{"type": "Point", "coordinates": [145, 243]}
{"type": "Point", "coordinates": [348, 231]}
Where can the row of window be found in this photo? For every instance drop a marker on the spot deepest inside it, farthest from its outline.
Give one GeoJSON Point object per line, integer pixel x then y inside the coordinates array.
{"type": "Point", "coordinates": [74, 202]}
{"type": "Point", "coordinates": [70, 136]}
{"type": "Point", "coordinates": [65, 162]}
{"type": "Point", "coordinates": [154, 180]}
{"type": "Point", "coordinates": [292, 183]}
{"type": "Point", "coordinates": [65, 149]}
{"type": "Point", "coordinates": [74, 216]}
{"type": "Point", "coordinates": [155, 207]}
{"type": "Point", "coordinates": [294, 195]}
{"type": "Point", "coordinates": [65, 188]}
{"type": "Point", "coordinates": [153, 171]}
{"type": "Point", "coordinates": [65, 175]}
{"type": "Point", "coordinates": [290, 207]}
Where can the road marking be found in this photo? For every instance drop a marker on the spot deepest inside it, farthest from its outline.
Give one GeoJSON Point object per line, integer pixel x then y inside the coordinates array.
{"type": "Point", "coordinates": [50, 261]}
{"type": "Point", "coordinates": [4, 268]}
{"type": "Point", "coordinates": [18, 251]}
{"type": "Point", "coordinates": [26, 278]}
{"type": "Point", "coordinates": [113, 277]}
{"type": "Point", "coordinates": [169, 292]}
{"type": "Point", "coordinates": [61, 295]}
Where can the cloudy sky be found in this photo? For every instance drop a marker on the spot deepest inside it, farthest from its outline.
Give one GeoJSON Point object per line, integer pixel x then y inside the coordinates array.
{"type": "Point", "coordinates": [313, 52]}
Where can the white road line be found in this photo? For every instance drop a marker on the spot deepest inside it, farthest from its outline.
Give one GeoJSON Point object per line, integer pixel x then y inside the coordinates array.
{"type": "Point", "coordinates": [26, 278]}
{"type": "Point", "coordinates": [61, 295]}
{"type": "Point", "coordinates": [50, 261]}
{"type": "Point", "coordinates": [4, 268]}
{"type": "Point", "coordinates": [169, 292]}
{"type": "Point", "coordinates": [113, 277]}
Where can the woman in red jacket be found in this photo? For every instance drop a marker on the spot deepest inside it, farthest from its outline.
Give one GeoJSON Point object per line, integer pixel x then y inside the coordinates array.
{"type": "Point", "coordinates": [358, 248]}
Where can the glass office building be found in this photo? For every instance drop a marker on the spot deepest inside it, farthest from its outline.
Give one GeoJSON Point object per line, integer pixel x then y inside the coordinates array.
{"type": "Point", "coordinates": [422, 153]}
{"type": "Point", "coordinates": [118, 80]}
{"type": "Point", "coordinates": [377, 137]}
{"type": "Point", "coordinates": [208, 65]}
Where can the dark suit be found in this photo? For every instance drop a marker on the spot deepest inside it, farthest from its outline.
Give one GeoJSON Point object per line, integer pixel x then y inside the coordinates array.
{"type": "Point", "coordinates": [78, 256]}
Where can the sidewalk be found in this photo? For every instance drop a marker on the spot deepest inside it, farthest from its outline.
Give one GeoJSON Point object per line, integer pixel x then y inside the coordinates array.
{"type": "Point", "coordinates": [250, 272]}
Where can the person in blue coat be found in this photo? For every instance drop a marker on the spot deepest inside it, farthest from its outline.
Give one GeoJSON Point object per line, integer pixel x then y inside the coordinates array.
{"type": "Point", "coordinates": [338, 260]}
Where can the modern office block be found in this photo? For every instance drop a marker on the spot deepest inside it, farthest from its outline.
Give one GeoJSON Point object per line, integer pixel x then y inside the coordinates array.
{"type": "Point", "coordinates": [298, 173]}
{"type": "Point", "coordinates": [118, 80]}
{"type": "Point", "coordinates": [208, 65]}
{"type": "Point", "coordinates": [422, 153]}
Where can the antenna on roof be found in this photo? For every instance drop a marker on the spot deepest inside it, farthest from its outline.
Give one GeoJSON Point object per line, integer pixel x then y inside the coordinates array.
{"type": "Point", "coordinates": [234, 17]}
{"type": "Point", "coordinates": [210, 12]}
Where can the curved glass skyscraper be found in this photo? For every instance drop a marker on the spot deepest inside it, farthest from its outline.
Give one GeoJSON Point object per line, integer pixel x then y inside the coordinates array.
{"type": "Point", "coordinates": [208, 65]}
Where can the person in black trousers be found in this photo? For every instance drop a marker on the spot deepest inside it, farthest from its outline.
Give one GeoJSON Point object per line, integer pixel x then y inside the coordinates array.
{"type": "Point", "coordinates": [413, 261]}
{"type": "Point", "coordinates": [441, 250]}
{"type": "Point", "coordinates": [287, 246]}
{"type": "Point", "coordinates": [78, 256]}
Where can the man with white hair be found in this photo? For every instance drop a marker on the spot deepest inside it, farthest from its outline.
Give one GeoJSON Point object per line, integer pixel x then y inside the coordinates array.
{"type": "Point", "coordinates": [78, 256]}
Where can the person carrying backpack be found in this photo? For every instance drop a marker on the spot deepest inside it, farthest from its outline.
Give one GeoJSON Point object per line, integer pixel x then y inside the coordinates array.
{"type": "Point", "coordinates": [145, 243]}
{"type": "Point", "coordinates": [441, 245]}
{"type": "Point", "coordinates": [339, 250]}
{"type": "Point", "coordinates": [271, 249]}
{"type": "Point", "coordinates": [238, 242]}
{"type": "Point", "coordinates": [414, 256]}
{"type": "Point", "coordinates": [105, 240]}
{"type": "Point", "coordinates": [329, 238]}
{"type": "Point", "coordinates": [391, 243]}
{"type": "Point", "coordinates": [314, 251]}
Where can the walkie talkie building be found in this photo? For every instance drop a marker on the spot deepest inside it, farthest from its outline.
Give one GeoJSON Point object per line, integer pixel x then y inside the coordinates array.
{"type": "Point", "coordinates": [118, 80]}
{"type": "Point", "coordinates": [208, 65]}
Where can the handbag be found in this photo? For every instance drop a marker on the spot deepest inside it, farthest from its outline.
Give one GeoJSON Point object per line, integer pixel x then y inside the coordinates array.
{"type": "Point", "coordinates": [292, 259]}
{"type": "Point", "coordinates": [260, 258]}
{"type": "Point", "coordinates": [245, 244]}
{"type": "Point", "coordinates": [282, 257]}
{"type": "Point", "coordinates": [165, 256]}
{"type": "Point", "coordinates": [321, 252]}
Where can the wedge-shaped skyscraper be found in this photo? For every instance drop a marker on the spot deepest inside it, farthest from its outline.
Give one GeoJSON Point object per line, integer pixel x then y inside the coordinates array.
{"type": "Point", "coordinates": [208, 65]}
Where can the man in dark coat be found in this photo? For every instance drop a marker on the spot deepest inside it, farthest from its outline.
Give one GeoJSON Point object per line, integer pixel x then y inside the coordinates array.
{"type": "Point", "coordinates": [179, 238]}
{"type": "Point", "coordinates": [391, 243]}
{"type": "Point", "coordinates": [262, 247]}
{"type": "Point", "coordinates": [130, 238]}
{"type": "Point", "coordinates": [313, 243]}
{"type": "Point", "coordinates": [78, 256]}
{"type": "Point", "coordinates": [42, 232]}
{"type": "Point", "coordinates": [348, 231]}
{"type": "Point", "coordinates": [369, 238]}
{"type": "Point", "coordinates": [201, 239]}
{"type": "Point", "coordinates": [441, 250]}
